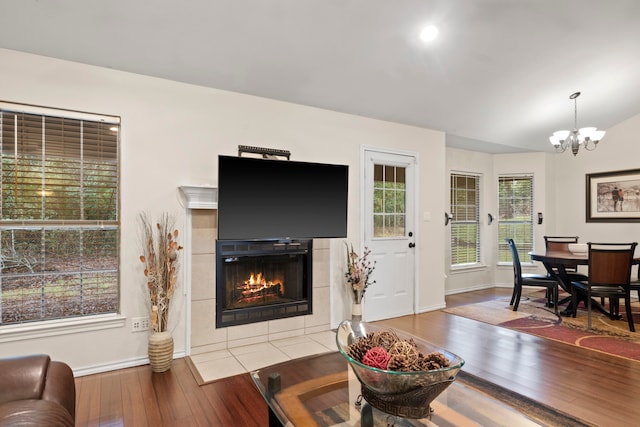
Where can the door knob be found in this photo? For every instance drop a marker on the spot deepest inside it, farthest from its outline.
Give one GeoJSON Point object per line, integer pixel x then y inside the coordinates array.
{"type": "Point", "coordinates": [412, 245]}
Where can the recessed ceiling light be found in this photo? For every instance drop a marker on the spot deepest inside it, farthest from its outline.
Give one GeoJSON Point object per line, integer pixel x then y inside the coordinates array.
{"type": "Point", "coordinates": [428, 33]}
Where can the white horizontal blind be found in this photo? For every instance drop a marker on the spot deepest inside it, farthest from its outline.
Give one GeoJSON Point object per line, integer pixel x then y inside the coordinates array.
{"type": "Point", "coordinates": [465, 223]}
{"type": "Point", "coordinates": [59, 225]}
{"type": "Point", "coordinates": [515, 216]}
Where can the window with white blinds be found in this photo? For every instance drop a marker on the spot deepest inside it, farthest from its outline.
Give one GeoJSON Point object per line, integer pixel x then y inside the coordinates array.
{"type": "Point", "coordinates": [465, 222]}
{"type": "Point", "coordinates": [59, 221]}
{"type": "Point", "coordinates": [515, 216]}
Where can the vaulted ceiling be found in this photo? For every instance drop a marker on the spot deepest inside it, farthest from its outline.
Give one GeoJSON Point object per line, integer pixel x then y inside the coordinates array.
{"type": "Point", "coordinates": [497, 79]}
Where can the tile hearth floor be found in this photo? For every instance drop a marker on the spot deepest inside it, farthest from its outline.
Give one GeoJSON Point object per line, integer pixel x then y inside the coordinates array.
{"type": "Point", "coordinates": [233, 361]}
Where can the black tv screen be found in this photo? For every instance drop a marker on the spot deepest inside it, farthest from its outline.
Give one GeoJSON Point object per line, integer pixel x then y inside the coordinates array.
{"type": "Point", "coordinates": [280, 199]}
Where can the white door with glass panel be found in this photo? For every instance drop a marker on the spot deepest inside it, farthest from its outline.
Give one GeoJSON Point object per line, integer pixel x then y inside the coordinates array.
{"type": "Point", "coordinates": [388, 218]}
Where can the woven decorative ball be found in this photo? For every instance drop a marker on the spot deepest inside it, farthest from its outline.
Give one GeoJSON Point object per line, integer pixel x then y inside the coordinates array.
{"type": "Point", "coordinates": [377, 357]}
{"type": "Point", "coordinates": [385, 338]}
{"type": "Point", "coordinates": [405, 348]}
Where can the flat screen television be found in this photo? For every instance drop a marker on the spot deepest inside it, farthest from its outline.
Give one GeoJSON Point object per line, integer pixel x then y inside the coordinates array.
{"type": "Point", "coordinates": [280, 199]}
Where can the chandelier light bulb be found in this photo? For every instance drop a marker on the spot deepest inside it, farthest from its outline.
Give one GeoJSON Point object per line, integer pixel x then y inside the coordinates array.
{"type": "Point", "coordinates": [588, 132]}
{"type": "Point", "coordinates": [561, 134]}
{"type": "Point", "coordinates": [598, 135]}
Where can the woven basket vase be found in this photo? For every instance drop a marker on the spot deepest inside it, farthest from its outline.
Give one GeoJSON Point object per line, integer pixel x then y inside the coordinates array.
{"type": "Point", "coordinates": [160, 351]}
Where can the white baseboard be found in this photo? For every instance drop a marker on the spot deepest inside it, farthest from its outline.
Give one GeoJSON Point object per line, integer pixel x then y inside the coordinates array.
{"type": "Point", "coordinates": [469, 289]}
{"type": "Point", "coordinates": [430, 308]}
{"type": "Point", "coordinates": [107, 367]}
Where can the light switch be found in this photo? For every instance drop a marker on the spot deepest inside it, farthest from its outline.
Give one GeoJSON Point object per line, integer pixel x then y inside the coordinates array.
{"type": "Point", "coordinates": [426, 216]}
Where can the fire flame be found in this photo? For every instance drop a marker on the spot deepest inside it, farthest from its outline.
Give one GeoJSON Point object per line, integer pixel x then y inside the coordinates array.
{"type": "Point", "coordinates": [257, 282]}
{"type": "Point", "coordinates": [257, 279]}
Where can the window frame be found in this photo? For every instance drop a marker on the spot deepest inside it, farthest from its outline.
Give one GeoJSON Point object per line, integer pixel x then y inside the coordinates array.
{"type": "Point", "coordinates": [524, 247]}
{"type": "Point", "coordinates": [470, 219]}
{"type": "Point", "coordinates": [56, 152]}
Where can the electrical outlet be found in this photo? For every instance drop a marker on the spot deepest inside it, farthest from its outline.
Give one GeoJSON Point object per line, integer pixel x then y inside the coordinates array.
{"type": "Point", "coordinates": [139, 324]}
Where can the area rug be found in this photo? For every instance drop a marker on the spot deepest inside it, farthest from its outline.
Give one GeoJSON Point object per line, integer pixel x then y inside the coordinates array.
{"type": "Point", "coordinates": [608, 336]}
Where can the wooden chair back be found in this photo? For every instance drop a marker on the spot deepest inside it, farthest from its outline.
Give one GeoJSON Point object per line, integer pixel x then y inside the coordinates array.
{"type": "Point", "coordinates": [610, 264]}
{"type": "Point", "coordinates": [559, 243]}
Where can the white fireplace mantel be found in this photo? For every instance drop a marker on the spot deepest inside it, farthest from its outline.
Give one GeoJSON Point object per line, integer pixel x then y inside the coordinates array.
{"type": "Point", "coordinates": [193, 197]}
{"type": "Point", "coordinates": [198, 196]}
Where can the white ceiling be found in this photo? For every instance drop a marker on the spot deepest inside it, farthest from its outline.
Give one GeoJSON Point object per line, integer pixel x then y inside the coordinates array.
{"type": "Point", "coordinates": [497, 79]}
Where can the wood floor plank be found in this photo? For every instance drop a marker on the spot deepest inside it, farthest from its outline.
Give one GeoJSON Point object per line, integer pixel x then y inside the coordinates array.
{"type": "Point", "coordinates": [596, 387]}
{"type": "Point", "coordinates": [240, 396]}
{"type": "Point", "coordinates": [202, 412]}
{"type": "Point", "coordinates": [111, 411]}
{"type": "Point", "coordinates": [132, 400]}
{"type": "Point", "coordinates": [175, 409]}
{"type": "Point", "coordinates": [151, 401]}
{"type": "Point", "coordinates": [88, 398]}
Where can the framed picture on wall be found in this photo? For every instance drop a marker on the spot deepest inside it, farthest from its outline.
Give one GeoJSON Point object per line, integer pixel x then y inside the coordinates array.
{"type": "Point", "coordinates": [613, 196]}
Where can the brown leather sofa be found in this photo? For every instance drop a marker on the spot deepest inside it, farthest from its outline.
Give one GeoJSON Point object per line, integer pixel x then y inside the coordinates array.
{"type": "Point", "coordinates": [36, 391]}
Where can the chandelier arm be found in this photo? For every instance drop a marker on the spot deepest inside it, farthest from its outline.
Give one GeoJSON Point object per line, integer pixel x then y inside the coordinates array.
{"type": "Point", "coordinates": [590, 145]}
{"type": "Point", "coordinates": [561, 148]}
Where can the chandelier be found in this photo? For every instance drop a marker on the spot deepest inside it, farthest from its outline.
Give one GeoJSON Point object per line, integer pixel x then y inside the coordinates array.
{"type": "Point", "coordinates": [587, 137]}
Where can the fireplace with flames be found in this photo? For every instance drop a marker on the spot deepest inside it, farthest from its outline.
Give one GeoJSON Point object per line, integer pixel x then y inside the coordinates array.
{"type": "Point", "coordinates": [262, 280]}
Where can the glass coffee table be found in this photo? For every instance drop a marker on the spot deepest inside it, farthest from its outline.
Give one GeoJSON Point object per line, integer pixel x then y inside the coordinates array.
{"type": "Point", "coordinates": [322, 391]}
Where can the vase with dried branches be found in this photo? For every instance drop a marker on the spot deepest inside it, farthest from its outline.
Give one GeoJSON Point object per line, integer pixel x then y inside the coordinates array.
{"type": "Point", "coordinates": [160, 258]}
{"type": "Point", "coordinates": [358, 278]}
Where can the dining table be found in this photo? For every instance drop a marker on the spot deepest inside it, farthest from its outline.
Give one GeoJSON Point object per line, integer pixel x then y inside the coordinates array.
{"type": "Point", "coordinates": [556, 264]}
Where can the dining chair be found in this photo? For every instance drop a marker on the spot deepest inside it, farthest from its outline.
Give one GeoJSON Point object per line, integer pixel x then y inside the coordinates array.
{"type": "Point", "coordinates": [561, 243]}
{"type": "Point", "coordinates": [529, 279]}
{"type": "Point", "coordinates": [609, 277]}
{"type": "Point", "coordinates": [635, 284]}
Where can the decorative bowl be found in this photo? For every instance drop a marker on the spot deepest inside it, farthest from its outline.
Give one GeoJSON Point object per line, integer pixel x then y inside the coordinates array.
{"type": "Point", "coordinates": [406, 394]}
{"type": "Point", "coordinates": [578, 248]}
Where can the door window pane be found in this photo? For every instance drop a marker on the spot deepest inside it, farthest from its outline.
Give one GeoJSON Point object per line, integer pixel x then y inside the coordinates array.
{"type": "Point", "coordinates": [389, 201]}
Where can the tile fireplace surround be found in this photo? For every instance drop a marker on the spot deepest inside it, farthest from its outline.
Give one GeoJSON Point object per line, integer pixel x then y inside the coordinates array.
{"type": "Point", "coordinates": [205, 337]}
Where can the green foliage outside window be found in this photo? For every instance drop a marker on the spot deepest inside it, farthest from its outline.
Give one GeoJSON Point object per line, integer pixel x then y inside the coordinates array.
{"type": "Point", "coordinates": [389, 201]}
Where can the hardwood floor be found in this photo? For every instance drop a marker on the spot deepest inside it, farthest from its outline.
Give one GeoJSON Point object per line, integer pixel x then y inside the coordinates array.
{"type": "Point", "coordinates": [599, 389]}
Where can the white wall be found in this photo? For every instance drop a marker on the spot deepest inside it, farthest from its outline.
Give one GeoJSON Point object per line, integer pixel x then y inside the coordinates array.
{"type": "Point", "coordinates": [432, 187]}
{"type": "Point", "coordinates": [172, 133]}
{"type": "Point", "coordinates": [559, 193]}
{"type": "Point", "coordinates": [171, 136]}
{"type": "Point", "coordinates": [619, 150]}
{"type": "Point", "coordinates": [534, 164]}
{"type": "Point", "coordinates": [490, 167]}
{"type": "Point", "coordinates": [481, 164]}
